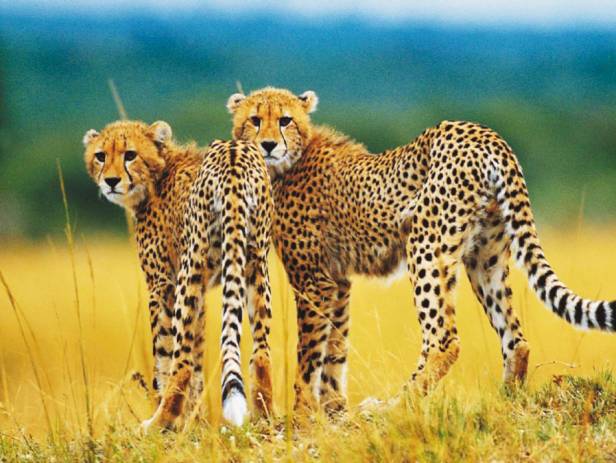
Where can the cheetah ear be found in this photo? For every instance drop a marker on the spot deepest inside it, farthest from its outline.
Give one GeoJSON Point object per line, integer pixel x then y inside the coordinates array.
{"type": "Point", "coordinates": [309, 100]}
{"type": "Point", "coordinates": [234, 101]}
{"type": "Point", "coordinates": [89, 136]}
{"type": "Point", "coordinates": [160, 132]}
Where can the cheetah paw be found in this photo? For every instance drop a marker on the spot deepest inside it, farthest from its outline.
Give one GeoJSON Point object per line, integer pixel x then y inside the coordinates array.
{"type": "Point", "coordinates": [146, 425]}
{"type": "Point", "coordinates": [372, 405]}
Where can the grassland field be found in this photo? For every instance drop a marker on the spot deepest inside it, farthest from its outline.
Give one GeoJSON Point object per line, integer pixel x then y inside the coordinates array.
{"type": "Point", "coordinates": [74, 326]}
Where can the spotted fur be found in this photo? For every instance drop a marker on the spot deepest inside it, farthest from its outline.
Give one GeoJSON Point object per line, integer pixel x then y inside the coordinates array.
{"type": "Point", "coordinates": [454, 195]}
{"type": "Point", "coordinates": [202, 217]}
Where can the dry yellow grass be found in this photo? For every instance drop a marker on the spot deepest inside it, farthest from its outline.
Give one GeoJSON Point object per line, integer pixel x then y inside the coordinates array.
{"type": "Point", "coordinates": [43, 384]}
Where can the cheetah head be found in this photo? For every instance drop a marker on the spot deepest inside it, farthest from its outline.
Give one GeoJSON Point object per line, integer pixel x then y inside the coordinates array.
{"type": "Point", "coordinates": [126, 159]}
{"type": "Point", "coordinates": [277, 121]}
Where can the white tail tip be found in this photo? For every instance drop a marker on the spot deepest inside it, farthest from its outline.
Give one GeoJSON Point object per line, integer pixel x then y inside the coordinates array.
{"type": "Point", "coordinates": [235, 408]}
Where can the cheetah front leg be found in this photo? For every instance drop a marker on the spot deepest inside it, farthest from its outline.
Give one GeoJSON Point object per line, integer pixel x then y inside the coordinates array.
{"type": "Point", "coordinates": [314, 327]}
{"type": "Point", "coordinates": [334, 377]}
{"type": "Point", "coordinates": [433, 267]}
{"type": "Point", "coordinates": [161, 292]}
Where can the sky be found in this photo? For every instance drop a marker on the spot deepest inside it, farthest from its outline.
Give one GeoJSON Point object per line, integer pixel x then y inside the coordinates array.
{"type": "Point", "coordinates": [492, 12]}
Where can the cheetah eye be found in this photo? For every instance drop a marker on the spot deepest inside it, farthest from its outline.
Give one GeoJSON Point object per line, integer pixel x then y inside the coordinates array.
{"type": "Point", "coordinates": [130, 155]}
{"type": "Point", "coordinates": [100, 156]}
{"type": "Point", "coordinates": [284, 121]}
{"type": "Point", "coordinates": [255, 121]}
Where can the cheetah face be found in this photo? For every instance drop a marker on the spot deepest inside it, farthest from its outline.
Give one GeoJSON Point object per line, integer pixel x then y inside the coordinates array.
{"type": "Point", "coordinates": [277, 121]}
{"type": "Point", "coordinates": [125, 160]}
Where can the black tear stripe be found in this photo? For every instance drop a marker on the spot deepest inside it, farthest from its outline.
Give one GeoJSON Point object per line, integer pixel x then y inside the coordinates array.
{"type": "Point", "coordinates": [130, 177]}
{"type": "Point", "coordinates": [286, 146]}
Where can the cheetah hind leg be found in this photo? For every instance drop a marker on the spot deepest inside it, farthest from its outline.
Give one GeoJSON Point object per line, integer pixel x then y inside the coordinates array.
{"type": "Point", "coordinates": [487, 267]}
{"type": "Point", "coordinates": [189, 292]}
{"type": "Point", "coordinates": [260, 315]}
{"type": "Point", "coordinates": [194, 403]}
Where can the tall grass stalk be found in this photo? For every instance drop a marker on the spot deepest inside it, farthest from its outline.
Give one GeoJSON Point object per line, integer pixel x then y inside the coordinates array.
{"type": "Point", "coordinates": [134, 333]}
{"type": "Point", "coordinates": [117, 100]}
{"type": "Point", "coordinates": [92, 280]}
{"type": "Point", "coordinates": [5, 384]}
{"type": "Point", "coordinates": [71, 247]}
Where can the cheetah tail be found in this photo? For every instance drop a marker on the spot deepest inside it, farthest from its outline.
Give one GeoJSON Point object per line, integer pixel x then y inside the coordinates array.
{"type": "Point", "coordinates": [514, 202]}
{"type": "Point", "coordinates": [234, 288]}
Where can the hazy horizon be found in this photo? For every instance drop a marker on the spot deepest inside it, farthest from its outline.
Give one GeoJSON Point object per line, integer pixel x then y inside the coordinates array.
{"type": "Point", "coordinates": [548, 14]}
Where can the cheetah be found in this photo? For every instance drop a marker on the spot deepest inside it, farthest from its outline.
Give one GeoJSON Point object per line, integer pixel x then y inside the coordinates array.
{"type": "Point", "coordinates": [454, 195]}
{"type": "Point", "coordinates": [202, 217]}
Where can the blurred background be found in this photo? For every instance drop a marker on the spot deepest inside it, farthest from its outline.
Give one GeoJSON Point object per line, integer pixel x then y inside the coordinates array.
{"type": "Point", "coordinates": [543, 76]}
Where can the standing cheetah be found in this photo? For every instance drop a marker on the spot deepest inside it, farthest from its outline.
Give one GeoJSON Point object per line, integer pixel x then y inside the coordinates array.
{"type": "Point", "coordinates": [454, 195]}
{"type": "Point", "coordinates": [202, 217]}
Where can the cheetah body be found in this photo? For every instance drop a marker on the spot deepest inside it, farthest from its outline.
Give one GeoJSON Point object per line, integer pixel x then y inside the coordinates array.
{"type": "Point", "coordinates": [454, 195]}
{"type": "Point", "coordinates": [202, 218]}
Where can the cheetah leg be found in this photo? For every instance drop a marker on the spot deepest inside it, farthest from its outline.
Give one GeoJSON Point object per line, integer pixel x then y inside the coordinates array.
{"type": "Point", "coordinates": [313, 331]}
{"type": "Point", "coordinates": [161, 291]}
{"type": "Point", "coordinates": [434, 279]}
{"type": "Point", "coordinates": [260, 314]}
{"type": "Point", "coordinates": [334, 377]}
{"type": "Point", "coordinates": [197, 380]}
{"type": "Point", "coordinates": [188, 298]}
{"type": "Point", "coordinates": [487, 267]}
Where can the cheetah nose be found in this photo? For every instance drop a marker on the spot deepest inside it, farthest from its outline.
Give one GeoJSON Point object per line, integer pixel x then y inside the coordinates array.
{"type": "Point", "coordinates": [268, 146]}
{"type": "Point", "coordinates": [112, 181]}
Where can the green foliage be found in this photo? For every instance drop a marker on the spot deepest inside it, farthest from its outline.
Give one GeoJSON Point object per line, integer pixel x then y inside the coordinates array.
{"type": "Point", "coordinates": [550, 94]}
